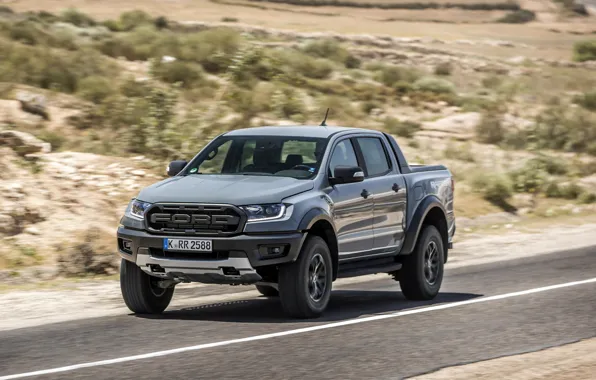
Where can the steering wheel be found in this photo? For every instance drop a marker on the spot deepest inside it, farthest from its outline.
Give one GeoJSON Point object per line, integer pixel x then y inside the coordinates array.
{"type": "Point", "coordinates": [301, 167]}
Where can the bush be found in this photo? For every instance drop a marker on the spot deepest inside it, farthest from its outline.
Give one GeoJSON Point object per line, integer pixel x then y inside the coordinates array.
{"type": "Point", "coordinates": [73, 16]}
{"type": "Point", "coordinates": [6, 10]}
{"type": "Point", "coordinates": [229, 19]}
{"type": "Point", "coordinates": [391, 75]}
{"type": "Point", "coordinates": [434, 85]}
{"type": "Point", "coordinates": [186, 73]}
{"type": "Point", "coordinates": [213, 49]}
{"type": "Point", "coordinates": [133, 19]}
{"type": "Point", "coordinates": [584, 51]}
{"type": "Point", "coordinates": [531, 178]}
{"type": "Point", "coordinates": [443, 69]}
{"type": "Point", "coordinates": [305, 65]}
{"type": "Point", "coordinates": [51, 69]}
{"type": "Point", "coordinates": [332, 50]}
{"type": "Point", "coordinates": [518, 17]}
{"type": "Point", "coordinates": [587, 100]}
{"type": "Point", "coordinates": [495, 188]}
{"type": "Point", "coordinates": [552, 165]}
{"type": "Point", "coordinates": [96, 88]}
{"type": "Point", "coordinates": [587, 197]}
{"type": "Point", "coordinates": [571, 191]}
{"type": "Point", "coordinates": [461, 152]}
{"type": "Point", "coordinates": [401, 128]}
{"type": "Point", "coordinates": [490, 129]}
{"type": "Point", "coordinates": [55, 139]}
{"type": "Point", "coordinates": [161, 22]}
{"type": "Point", "coordinates": [286, 102]}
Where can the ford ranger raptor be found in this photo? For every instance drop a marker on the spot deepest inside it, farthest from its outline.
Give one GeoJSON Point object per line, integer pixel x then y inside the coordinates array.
{"type": "Point", "coordinates": [290, 210]}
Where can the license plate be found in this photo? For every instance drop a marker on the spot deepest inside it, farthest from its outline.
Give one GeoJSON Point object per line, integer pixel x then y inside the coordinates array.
{"type": "Point", "coordinates": [187, 245]}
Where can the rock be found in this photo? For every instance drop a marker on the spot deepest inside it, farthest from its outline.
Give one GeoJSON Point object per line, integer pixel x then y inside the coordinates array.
{"type": "Point", "coordinates": [32, 230]}
{"type": "Point", "coordinates": [138, 173]}
{"type": "Point", "coordinates": [518, 60]}
{"type": "Point", "coordinates": [376, 112]}
{"type": "Point", "coordinates": [509, 226]}
{"type": "Point", "coordinates": [34, 104]}
{"type": "Point", "coordinates": [23, 143]}
{"type": "Point", "coordinates": [167, 59]}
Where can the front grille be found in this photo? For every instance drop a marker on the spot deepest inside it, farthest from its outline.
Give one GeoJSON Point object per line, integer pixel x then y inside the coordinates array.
{"type": "Point", "coordinates": [215, 255]}
{"type": "Point", "coordinates": [195, 219]}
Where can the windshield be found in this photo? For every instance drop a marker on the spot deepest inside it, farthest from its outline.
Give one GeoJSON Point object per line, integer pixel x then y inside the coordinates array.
{"type": "Point", "coordinates": [296, 157]}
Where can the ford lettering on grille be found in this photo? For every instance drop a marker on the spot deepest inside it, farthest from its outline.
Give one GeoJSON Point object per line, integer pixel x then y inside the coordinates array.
{"type": "Point", "coordinates": [195, 219]}
{"type": "Point", "coordinates": [213, 220]}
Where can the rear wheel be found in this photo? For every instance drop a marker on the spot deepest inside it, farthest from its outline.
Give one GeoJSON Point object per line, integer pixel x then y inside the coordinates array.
{"type": "Point", "coordinates": [305, 285]}
{"type": "Point", "coordinates": [267, 291]}
{"type": "Point", "coordinates": [421, 276]}
{"type": "Point", "coordinates": [141, 292]}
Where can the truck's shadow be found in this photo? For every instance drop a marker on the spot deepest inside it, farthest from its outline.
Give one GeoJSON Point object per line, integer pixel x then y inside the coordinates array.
{"type": "Point", "coordinates": [344, 304]}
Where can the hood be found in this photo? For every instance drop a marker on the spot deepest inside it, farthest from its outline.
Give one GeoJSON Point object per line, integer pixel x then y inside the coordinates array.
{"type": "Point", "coordinates": [228, 189]}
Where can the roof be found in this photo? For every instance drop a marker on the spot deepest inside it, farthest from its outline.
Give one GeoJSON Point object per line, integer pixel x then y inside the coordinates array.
{"type": "Point", "coordinates": [290, 131]}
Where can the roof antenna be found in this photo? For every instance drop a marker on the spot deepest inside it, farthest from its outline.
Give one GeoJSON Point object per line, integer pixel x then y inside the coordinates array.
{"type": "Point", "coordinates": [324, 123]}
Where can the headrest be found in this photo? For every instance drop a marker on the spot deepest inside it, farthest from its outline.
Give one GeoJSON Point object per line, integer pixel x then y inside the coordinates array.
{"type": "Point", "coordinates": [294, 159]}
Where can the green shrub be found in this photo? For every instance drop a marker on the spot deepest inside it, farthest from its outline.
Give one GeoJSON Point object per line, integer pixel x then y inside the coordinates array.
{"type": "Point", "coordinates": [443, 69]}
{"type": "Point", "coordinates": [213, 48]}
{"type": "Point", "coordinates": [531, 178]}
{"type": "Point", "coordinates": [571, 191]}
{"type": "Point", "coordinates": [186, 73]}
{"type": "Point", "coordinates": [307, 66]}
{"type": "Point", "coordinates": [391, 75]}
{"type": "Point", "coordinates": [552, 190]}
{"type": "Point", "coordinates": [552, 165]}
{"type": "Point", "coordinates": [51, 69]}
{"type": "Point", "coordinates": [490, 129]}
{"type": "Point", "coordinates": [161, 22]}
{"type": "Point", "coordinates": [96, 88]}
{"type": "Point", "coordinates": [55, 139]}
{"type": "Point", "coordinates": [587, 100]}
{"type": "Point", "coordinates": [461, 152]}
{"type": "Point", "coordinates": [133, 19]}
{"type": "Point", "coordinates": [587, 197]}
{"type": "Point", "coordinates": [370, 105]}
{"type": "Point", "coordinates": [229, 19]}
{"type": "Point", "coordinates": [332, 50]}
{"type": "Point", "coordinates": [495, 188]}
{"type": "Point", "coordinates": [401, 128]}
{"type": "Point", "coordinates": [518, 17]}
{"type": "Point", "coordinates": [73, 16]}
{"type": "Point", "coordinates": [5, 9]}
{"type": "Point", "coordinates": [584, 51]}
{"type": "Point", "coordinates": [286, 102]}
{"type": "Point", "coordinates": [434, 85]}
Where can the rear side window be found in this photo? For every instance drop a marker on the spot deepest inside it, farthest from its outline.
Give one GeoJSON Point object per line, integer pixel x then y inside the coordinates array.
{"type": "Point", "coordinates": [343, 155]}
{"type": "Point", "coordinates": [375, 157]}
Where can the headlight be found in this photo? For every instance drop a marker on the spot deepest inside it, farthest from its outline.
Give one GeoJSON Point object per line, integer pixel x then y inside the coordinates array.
{"type": "Point", "coordinates": [265, 212]}
{"type": "Point", "coordinates": [137, 209]}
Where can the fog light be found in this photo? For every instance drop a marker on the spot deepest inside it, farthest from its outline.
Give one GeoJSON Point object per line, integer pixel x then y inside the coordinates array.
{"type": "Point", "coordinates": [273, 251]}
{"type": "Point", "coordinates": [125, 246]}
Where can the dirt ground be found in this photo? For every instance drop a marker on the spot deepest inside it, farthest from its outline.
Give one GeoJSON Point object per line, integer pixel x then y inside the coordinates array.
{"type": "Point", "coordinates": [575, 361]}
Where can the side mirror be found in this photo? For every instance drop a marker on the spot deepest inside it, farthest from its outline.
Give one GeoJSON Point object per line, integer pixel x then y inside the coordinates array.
{"type": "Point", "coordinates": [347, 174]}
{"type": "Point", "coordinates": [176, 167]}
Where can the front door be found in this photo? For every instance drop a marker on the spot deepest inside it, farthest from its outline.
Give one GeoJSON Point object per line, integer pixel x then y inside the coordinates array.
{"type": "Point", "coordinates": [352, 205]}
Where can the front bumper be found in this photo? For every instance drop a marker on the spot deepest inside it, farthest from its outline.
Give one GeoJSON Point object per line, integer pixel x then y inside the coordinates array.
{"type": "Point", "coordinates": [235, 260]}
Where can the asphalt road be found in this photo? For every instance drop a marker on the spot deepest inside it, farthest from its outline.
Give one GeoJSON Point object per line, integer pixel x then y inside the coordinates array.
{"type": "Point", "coordinates": [369, 332]}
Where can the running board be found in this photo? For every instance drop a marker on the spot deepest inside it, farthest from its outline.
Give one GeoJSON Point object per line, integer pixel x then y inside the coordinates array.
{"type": "Point", "coordinates": [366, 267]}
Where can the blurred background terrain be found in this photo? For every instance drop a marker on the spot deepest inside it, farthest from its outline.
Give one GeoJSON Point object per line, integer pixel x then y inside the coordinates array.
{"type": "Point", "coordinates": [97, 96]}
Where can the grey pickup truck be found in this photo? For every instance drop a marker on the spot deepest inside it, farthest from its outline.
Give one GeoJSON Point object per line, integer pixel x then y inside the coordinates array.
{"type": "Point", "coordinates": [290, 210]}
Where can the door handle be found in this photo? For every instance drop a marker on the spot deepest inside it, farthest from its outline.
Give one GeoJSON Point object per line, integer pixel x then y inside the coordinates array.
{"type": "Point", "coordinates": [364, 194]}
{"type": "Point", "coordinates": [395, 187]}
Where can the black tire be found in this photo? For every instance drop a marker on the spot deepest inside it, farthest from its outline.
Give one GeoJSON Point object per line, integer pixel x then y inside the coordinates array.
{"type": "Point", "coordinates": [416, 276]}
{"type": "Point", "coordinates": [267, 291]}
{"type": "Point", "coordinates": [299, 296]}
{"type": "Point", "coordinates": [140, 292]}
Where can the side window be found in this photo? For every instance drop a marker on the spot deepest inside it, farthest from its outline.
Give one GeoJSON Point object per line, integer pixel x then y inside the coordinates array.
{"type": "Point", "coordinates": [216, 163]}
{"type": "Point", "coordinates": [343, 155]}
{"type": "Point", "coordinates": [374, 155]}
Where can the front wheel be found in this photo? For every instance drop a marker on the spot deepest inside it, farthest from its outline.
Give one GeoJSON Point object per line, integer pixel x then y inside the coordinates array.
{"type": "Point", "coordinates": [267, 291]}
{"type": "Point", "coordinates": [421, 276]}
{"type": "Point", "coordinates": [305, 285]}
{"type": "Point", "coordinates": [141, 292]}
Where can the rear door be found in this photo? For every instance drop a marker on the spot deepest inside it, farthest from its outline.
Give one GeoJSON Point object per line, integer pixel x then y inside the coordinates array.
{"type": "Point", "coordinates": [352, 205]}
{"type": "Point", "coordinates": [388, 186]}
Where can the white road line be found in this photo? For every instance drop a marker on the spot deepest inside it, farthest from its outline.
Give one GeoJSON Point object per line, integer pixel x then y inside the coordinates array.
{"type": "Point", "coordinates": [296, 331]}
